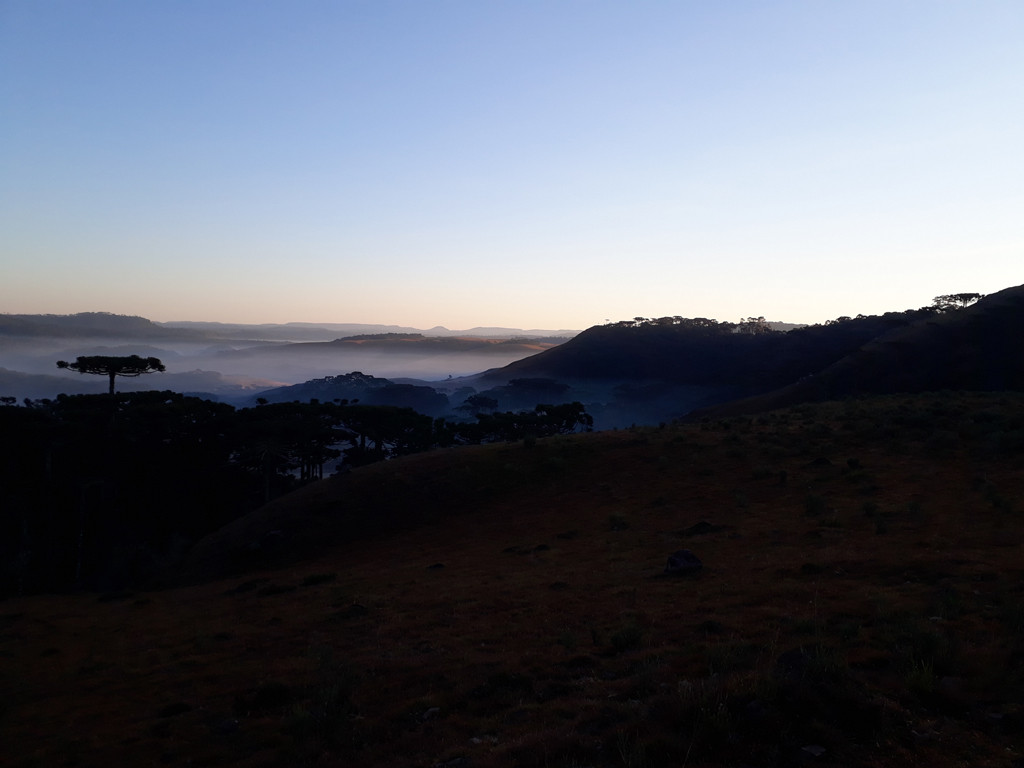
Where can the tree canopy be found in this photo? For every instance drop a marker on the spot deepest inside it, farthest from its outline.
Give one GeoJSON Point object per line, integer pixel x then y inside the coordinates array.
{"type": "Point", "coordinates": [113, 366]}
{"type": "Point", "coordinates": [104, 491]}
{"type": "Point", "coordinates": [955, 300]}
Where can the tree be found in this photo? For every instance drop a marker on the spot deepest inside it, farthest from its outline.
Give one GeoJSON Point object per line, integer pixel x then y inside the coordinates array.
{"type": "Point", "coordinates": [754, 326]}
{"type": "Point", "coordinates": [955, 301]}
{"type": "Point", "coordinates": [479, 404]}
{"type": "Point", "coordinates": [563, 419]}
{"type": "Point", "coordinates": [101, 365]}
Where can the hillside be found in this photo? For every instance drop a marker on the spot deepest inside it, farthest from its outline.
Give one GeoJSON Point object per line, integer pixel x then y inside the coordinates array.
{"type": "Point", "coordinates": [651, 370]}
{"type": "Point", "coordinates": [978, 348]}
{"type": "Point", "coordinates": [356, 386]}
{"type": "Point", "coordinates": [703, 352]}
{"type": "Point", "coordinates": [860, 604]}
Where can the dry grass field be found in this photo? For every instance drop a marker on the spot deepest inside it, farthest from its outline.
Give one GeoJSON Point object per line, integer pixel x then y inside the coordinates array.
{"type": "Point", "coordinates": [861, 604]}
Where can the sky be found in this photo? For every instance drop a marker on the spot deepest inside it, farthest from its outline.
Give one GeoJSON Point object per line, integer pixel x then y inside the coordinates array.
{"type": "Point", "coordinates": [531, 164]}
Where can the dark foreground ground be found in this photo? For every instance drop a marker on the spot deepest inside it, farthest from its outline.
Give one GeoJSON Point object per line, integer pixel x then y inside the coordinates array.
{"type": "Point", "coordinates": [861, 603]}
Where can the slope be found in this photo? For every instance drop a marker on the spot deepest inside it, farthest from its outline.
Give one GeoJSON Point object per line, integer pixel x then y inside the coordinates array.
{"type": "Point", "coordinates": [860, 602]}
{"type": "Point", "coordinates": [980, 348]}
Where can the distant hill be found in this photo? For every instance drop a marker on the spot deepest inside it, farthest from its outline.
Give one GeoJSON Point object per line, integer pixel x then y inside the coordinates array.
{"type": "Point", "coordinates": [416, 343]}
{"type": "Point", "coordinates": [40, 385]}
{"type": "Point", "coordinates": [208, 384]}
{"type": "Point", "coordinates": [978, 348]}
{"type": "Point", "coordinates": [89, 324]}
{"type": "Point", "coordinates": [107, 324]}
{"type": "Point", "coordinates": [330, 331]}
{"type": "Point", "coordinates": [704, 352]}
{"type": "Point", "coordinates": [294, 332]}
{"type": "Point", "coordinates": [644, 371]}
{"type": "Point", "coordinates": [356, 386]}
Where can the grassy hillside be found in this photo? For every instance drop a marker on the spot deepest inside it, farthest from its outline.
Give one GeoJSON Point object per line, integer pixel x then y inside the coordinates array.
{"type": "Point", "coordinates": [861, 600]}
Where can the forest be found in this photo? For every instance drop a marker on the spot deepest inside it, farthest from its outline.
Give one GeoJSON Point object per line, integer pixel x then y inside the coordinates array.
{"type": "Point", "coordinates": [105, 492]}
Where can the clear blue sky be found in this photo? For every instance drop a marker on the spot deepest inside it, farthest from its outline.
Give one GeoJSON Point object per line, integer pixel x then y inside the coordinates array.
{"type": "Point", "coordinates": [529, 164]}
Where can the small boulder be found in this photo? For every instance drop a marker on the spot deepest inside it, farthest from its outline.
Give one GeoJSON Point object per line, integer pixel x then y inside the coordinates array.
{"type": "Point", "coordinates": [682, 563]}
{"type": "Point", "coordinates": [700, 529]}
{"type": "Point", "coordinates": [177, 708]}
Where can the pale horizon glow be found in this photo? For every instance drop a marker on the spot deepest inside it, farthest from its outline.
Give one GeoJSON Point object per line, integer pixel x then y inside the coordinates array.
{"type": "Point", "coordinates": [520, 164]}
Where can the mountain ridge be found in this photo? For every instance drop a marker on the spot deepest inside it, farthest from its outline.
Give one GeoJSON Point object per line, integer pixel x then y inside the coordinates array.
{"type": "Point", "coordinates": [976, 348]}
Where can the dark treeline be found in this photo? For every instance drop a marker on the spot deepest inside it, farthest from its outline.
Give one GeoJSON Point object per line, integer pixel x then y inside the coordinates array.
{"type": "Point", "coordinates": [105, 492]}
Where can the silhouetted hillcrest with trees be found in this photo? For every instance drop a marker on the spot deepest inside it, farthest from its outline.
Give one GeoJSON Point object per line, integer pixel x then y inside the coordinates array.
{"type": "Point", "coordinates": [698, 351]}
{"type": "Point", "coordinates": [973, 345]}
{"type": "Point", "coordinates": [962, 341]}
{"type": "Point", "coordinates": [368, 390]}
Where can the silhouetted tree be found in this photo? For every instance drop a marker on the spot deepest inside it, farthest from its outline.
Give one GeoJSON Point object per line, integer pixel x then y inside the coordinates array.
{"type": "Point", "coordinates": [98, 491]}
{"type": "Point", "coordinates": [543, 421]}
{"type": "Point", "coordinates": [102, 365]}
{"type": "Point", "coordinates": [754, 326]}
{"type": "Point", "coordinates": [479, 404]}
{"type": "Point", "coordinates": [277, 440]}
{"type": "Point", "coordinates": [955, 300]}
{"type": "Point", "coordinates": [563, 419]}
{"type": "Point", "coordinates": [391, 431]}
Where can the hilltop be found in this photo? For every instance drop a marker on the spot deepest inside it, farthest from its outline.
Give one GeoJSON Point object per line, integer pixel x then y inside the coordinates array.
{"type": "Point", "coordinates": [977, 348]}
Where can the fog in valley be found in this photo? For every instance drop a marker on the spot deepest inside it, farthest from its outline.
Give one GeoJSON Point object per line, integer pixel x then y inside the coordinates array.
{"type": "Point", "coordinates": [232, 362]}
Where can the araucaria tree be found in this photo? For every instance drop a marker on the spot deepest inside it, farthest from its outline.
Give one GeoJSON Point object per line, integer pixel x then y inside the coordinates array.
{"type": "Point", "coordinates": [950, 301]}
{"type": "Point", "coordinates": [129, 366]}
